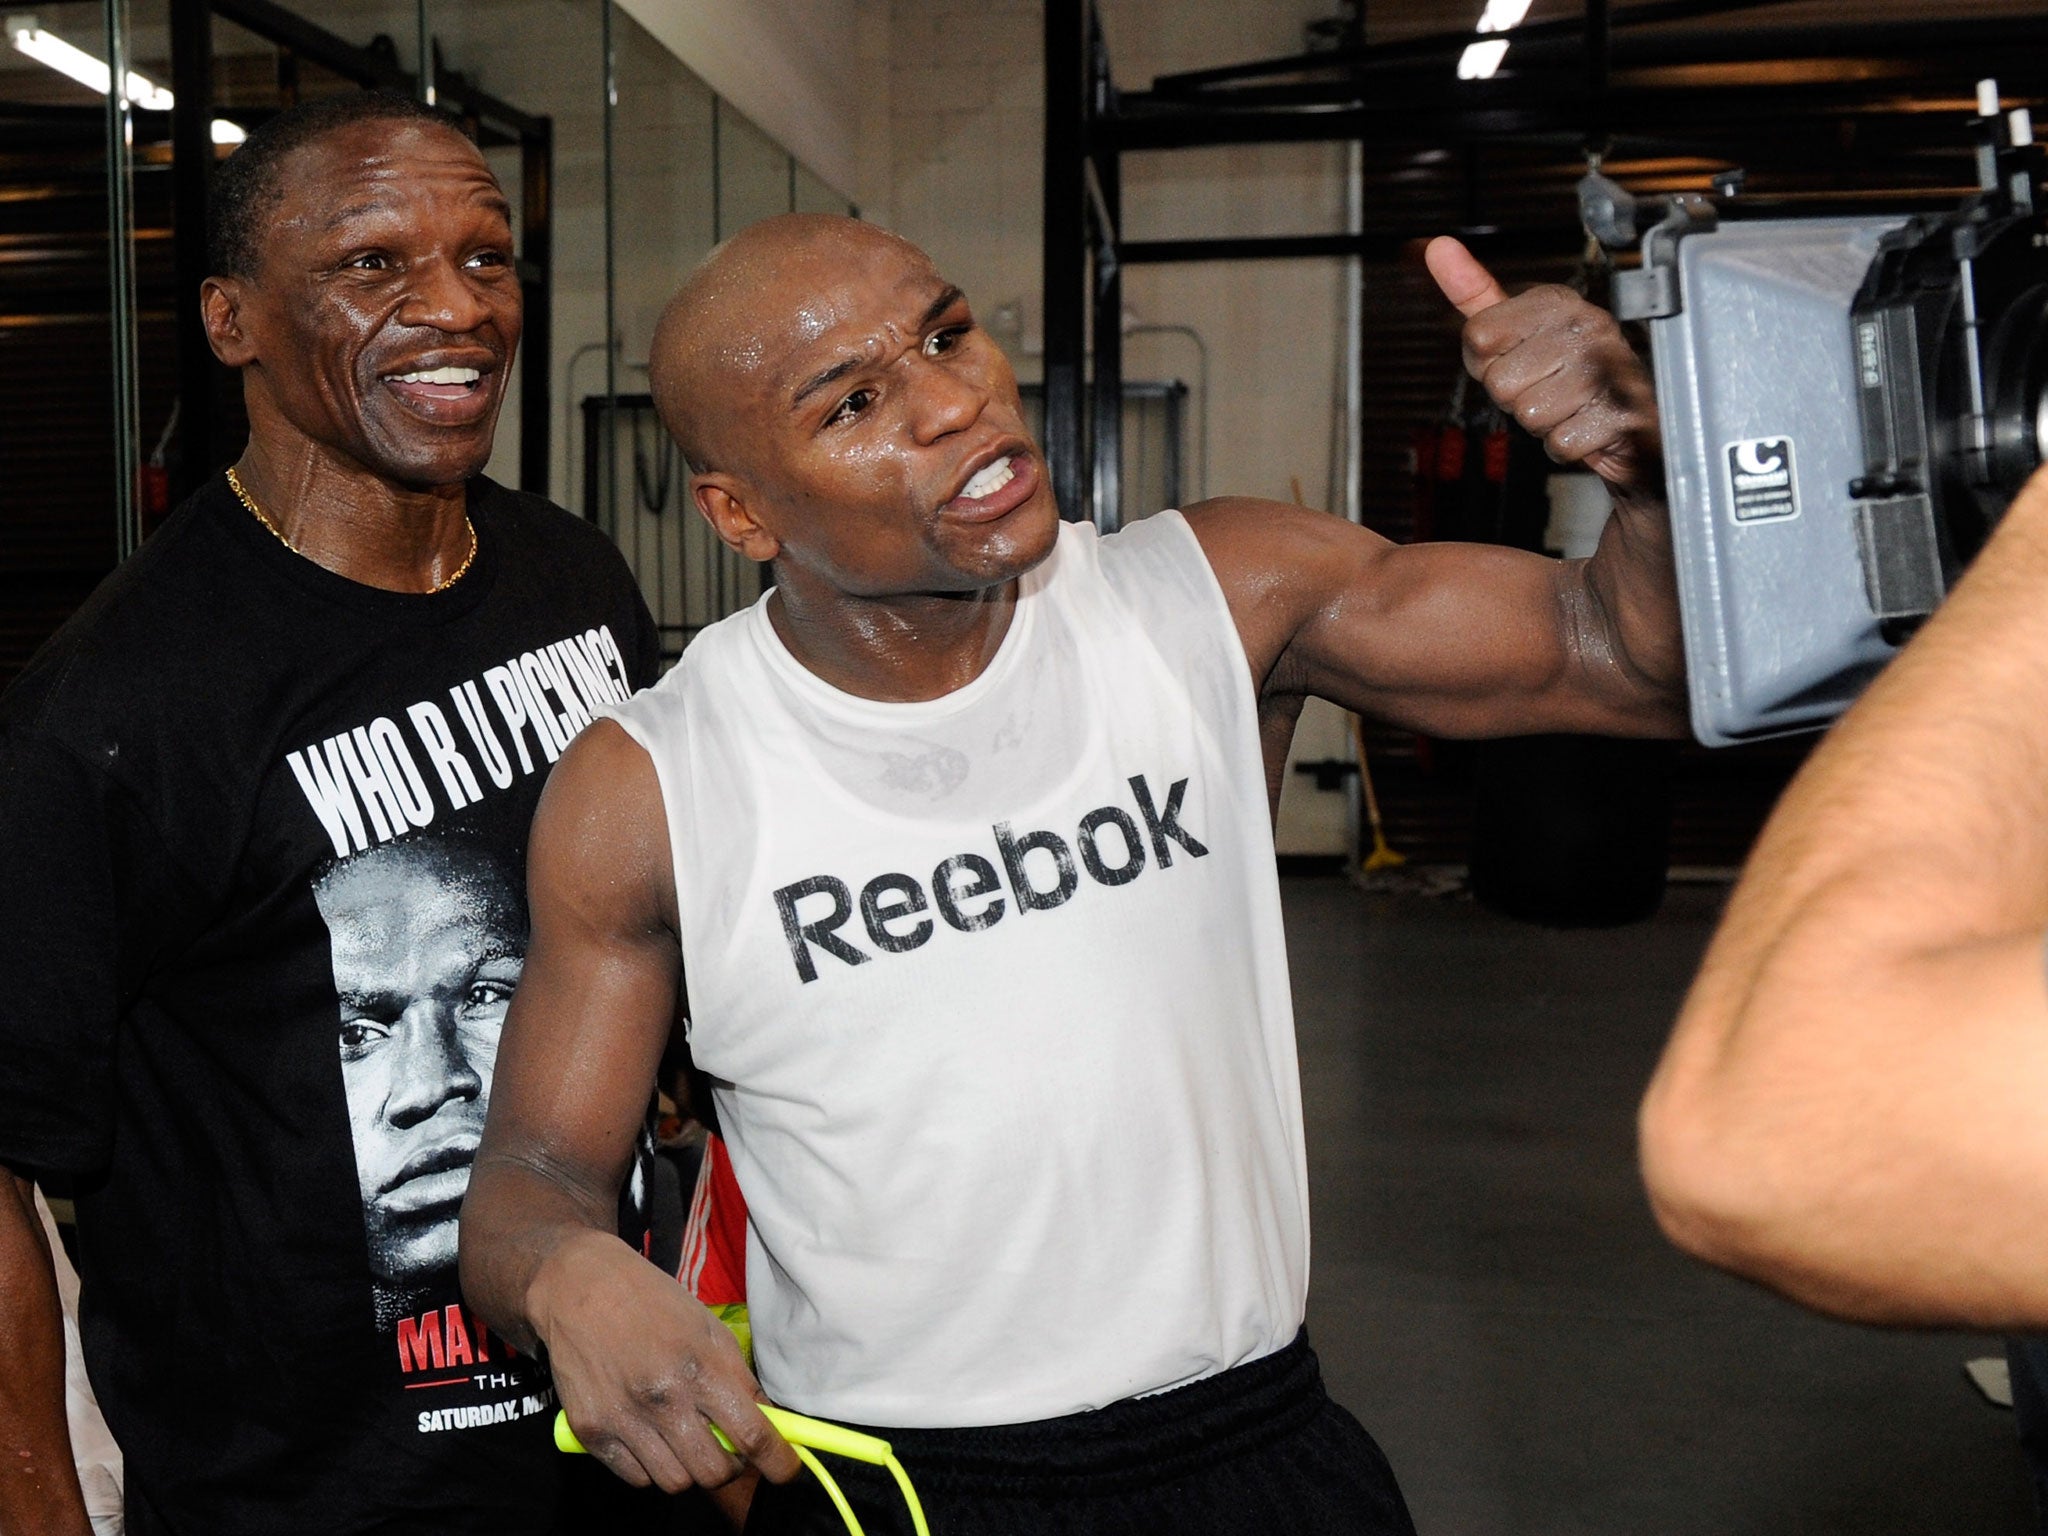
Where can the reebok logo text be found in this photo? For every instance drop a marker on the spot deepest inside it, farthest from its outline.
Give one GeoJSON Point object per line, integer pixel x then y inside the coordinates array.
{"type": "Point", "coordinates": [967, 892]}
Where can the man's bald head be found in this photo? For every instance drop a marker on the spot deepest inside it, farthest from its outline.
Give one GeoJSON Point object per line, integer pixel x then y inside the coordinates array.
{"type": "Point", "coordinates": [836, 400]}
{"type": "Point", "coordinates": [723, 333]}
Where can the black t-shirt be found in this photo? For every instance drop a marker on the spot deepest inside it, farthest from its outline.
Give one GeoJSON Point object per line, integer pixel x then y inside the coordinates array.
{"type": "Point", "coordinates": [262, 905]}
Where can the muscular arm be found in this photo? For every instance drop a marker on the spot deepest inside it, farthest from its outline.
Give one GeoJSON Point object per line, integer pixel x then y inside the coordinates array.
{"type": "Point", "coordinates": [1476, 640]}
{"type": "Point", "coordinates": [39, 1490]}
{"type": "Point", "coordinates": [1852, 1106]}
{"type": "Point", "coordinates": [641, 1368]}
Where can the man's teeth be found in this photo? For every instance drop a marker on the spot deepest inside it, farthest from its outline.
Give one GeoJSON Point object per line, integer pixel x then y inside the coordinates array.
{"type": "Point", "coordinates": [988, 481]}
{"type": "Point", "coordinates": [438, 376]}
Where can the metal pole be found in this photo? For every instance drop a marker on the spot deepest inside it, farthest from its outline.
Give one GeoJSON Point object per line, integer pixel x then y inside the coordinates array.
{"type": "Point", "coordinates": [608, 462]}
{"type": "Point", "coordinates": [197, 453]}
{"type": "Point", "coordinates": [1599, 52]}
{"type": "Point", "coordinates": [1106, 205]}
{"type": "Point", "coordinates": [1354, 336]}
{"type": "Point", "coordinates": [537, 283]}
{"type": "Point", "coordinates": [121, 281]}
{"type": "Point", "coordinates": [1066, 251]}
{"type": "Point", "coordinates": [1358, 788]}
{"type": "Point", "coordinates": [426, 55]}
{"type": "Point", "coordinates": [1106, 447]}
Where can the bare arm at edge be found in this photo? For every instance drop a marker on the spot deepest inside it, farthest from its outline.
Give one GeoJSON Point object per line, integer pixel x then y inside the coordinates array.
{"type": "Point", "coordinates": [1472, 639]}
{"type": "Point", "coordinates": [641, 1368]}
{"type": "Point", "coordinates": [39, 1492]}
{"type": "Point", "coordinates": [1854, 1106]}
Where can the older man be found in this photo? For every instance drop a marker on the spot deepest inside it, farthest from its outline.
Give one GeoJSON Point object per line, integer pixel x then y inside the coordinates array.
{"type": "Point", "coordinates": [263, 804]}
{"type": "Point", "coordinates": [963, 840]}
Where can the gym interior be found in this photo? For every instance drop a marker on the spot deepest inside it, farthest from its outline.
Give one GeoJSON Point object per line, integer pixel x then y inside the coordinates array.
{"type": "Point", "coordinates": [1195, 227]}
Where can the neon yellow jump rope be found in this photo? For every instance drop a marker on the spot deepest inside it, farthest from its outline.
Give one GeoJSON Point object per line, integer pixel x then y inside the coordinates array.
{"type": "Point", "coordinates": [805, 1435]}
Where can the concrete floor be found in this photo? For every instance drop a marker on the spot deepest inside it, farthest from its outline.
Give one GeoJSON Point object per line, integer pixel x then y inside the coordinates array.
{"type": "Point", "coordinates": [1491, 1297]}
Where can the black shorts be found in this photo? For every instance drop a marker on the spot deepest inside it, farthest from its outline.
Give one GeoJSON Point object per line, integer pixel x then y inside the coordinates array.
{"type": "Point", "coordinates": [1256, 1450]}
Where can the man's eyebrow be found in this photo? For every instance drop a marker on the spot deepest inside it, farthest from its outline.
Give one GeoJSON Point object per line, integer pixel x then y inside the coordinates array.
{"type": "Point", "coordinates": [378, 1002]}
{"type": "Point", "coordinates": [945, 301]}
{"type": "Point", "coordinates": [948, 297]}
{"type": "Point", "coordinates": [830, 376]}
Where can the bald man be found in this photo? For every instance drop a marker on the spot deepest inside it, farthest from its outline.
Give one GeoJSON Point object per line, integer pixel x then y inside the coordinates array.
{"type": "Point", "coordinates": [963, 839]}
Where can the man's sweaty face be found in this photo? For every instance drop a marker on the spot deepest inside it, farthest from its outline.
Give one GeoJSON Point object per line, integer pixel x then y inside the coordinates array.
{"type": "Point", "coordinates": [880, 402]}
{"type": "Point", "coordinates": [424, 973]}
{"type": "Point", "coordinates": [385, 310]}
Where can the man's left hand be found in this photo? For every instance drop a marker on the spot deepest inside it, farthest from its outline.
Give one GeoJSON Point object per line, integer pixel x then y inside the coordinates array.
{"type": "Point", "coordinates": [1560, 367]}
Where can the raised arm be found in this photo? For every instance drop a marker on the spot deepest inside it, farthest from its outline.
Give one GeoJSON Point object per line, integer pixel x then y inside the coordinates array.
{"type": "Point", "coordinates": [1854, 1106]}
{"type": "Point", "coordinates": [39, 1492]}
{"type": "Point", "coordinates": [641, 1369]}
{"type": "Point", "coordinates": [1470, 639]}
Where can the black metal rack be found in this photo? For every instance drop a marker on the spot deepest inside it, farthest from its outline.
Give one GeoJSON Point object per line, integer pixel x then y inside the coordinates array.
{"type": "Point", "coordinates": [689, 578]}
{"type": "Point", "coordinates": [1646, 75]}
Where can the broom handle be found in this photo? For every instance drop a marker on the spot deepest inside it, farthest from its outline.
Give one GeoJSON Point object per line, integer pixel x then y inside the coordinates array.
{"type": "Point", "coordinates": [1372, 801]}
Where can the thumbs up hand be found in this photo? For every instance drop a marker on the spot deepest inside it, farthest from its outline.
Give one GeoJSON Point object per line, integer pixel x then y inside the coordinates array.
{"type": "Point", "coordinates": [1560, 368]}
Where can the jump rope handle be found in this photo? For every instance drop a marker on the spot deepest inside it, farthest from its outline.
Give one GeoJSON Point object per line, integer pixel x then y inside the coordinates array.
{"type": "Point", "coordinates": [796, 1428]}
{"type": "Point", "coordinates": [805, 1436]}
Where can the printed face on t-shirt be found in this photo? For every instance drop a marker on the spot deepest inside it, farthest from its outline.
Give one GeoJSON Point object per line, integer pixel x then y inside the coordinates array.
{"type": "Point", "coordinates": [428, 938]}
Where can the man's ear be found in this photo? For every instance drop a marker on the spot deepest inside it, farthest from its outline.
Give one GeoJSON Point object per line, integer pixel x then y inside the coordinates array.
{"type": "Point", "coordinates": [220, 311]}
{"type": "Point", "coordinates": [724, 500]}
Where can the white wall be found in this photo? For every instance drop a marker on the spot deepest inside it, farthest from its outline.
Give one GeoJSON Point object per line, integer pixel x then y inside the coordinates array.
{"type": "Point", "coordinates": [784, 63]}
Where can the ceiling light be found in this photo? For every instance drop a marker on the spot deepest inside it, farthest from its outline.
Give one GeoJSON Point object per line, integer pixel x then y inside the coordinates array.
{"type": "Point", "coordinates": [1480, 60]}
{"type": "Point", "coordinates": [1503, 15]}
{"type": "Point", "coordinates": [28, 37]}
{"type": "Point", "coordinates": [48, 48]}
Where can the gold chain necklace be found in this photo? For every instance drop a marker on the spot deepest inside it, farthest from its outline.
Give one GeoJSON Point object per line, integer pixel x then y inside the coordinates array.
{"type": "Point", "coordinates": [242, 495]}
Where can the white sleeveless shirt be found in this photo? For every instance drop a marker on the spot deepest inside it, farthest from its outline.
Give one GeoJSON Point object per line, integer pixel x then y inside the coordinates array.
{"type": "Point", "coordinates": [993, 993]}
